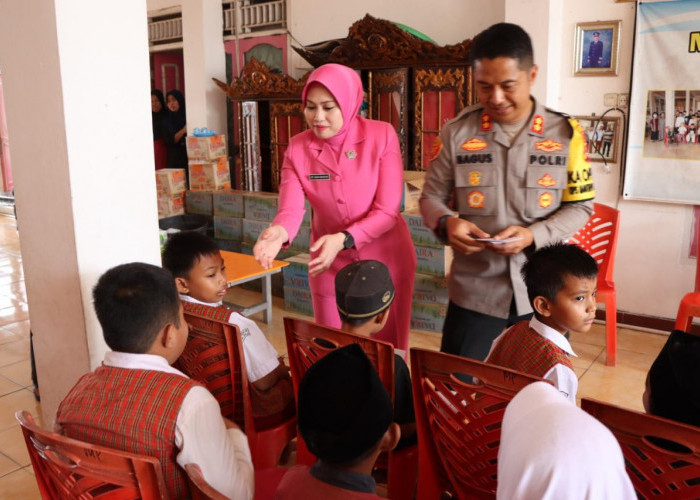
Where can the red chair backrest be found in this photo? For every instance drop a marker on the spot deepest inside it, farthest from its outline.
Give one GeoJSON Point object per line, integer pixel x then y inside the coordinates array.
{"type": "Point", "coordinates": [655, 472]}
{"type": "Point", "coordinates": [66, 468]}
{"type": "Point", "coordinates": [599, 238]}
{"type": "Point", "coordinates": [199, 488]}
{"type": "Point", "coordinates": [459, 423]}
{"type": "Point", "coordinates": [307, 342]}
{"type": "Point", "coordinates": [213, 356]}
{"type": "Point", "coordinates": [697, 254]}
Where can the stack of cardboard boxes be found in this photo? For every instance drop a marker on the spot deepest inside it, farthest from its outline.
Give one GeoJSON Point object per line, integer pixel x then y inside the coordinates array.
{"type": "Point", "coordinates": [171, 185]}
{"type": "Point", "coordinates": [430, 294]}
{"type": "Point", "coordinates": [208, 163]}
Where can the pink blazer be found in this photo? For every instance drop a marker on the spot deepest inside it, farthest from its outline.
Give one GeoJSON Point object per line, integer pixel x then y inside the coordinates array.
{"type": "Point", "coordinates": [360, 192]}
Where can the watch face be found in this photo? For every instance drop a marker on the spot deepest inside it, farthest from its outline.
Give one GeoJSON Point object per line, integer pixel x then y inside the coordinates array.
{"type": "Point", "coordinates": [349, 241]}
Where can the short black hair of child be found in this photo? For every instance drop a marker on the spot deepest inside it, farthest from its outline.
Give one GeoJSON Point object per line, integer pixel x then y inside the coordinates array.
{"type": "Point", "coordinates": [546, 268]}
{"type": "Point", "coordinates": [503, 40]}
{"type": "Point", "coordinates": [184, 249]}
{"type": "Point", "coordinates": [133, 303]}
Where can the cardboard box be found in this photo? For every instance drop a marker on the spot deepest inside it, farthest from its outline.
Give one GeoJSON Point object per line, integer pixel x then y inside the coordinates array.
{"type": "Point", "coordinates": [298, 300]}
{"type": "Point", "coordinates": [228, 228]}
{"type": "Point", "coordinates": [229, 245]}
{"type": "Point", "coordinates": [263, 206]}
{"type": "Point", "coordinates": [420, 233]}
{"type": "Point", "coordinates": [412, 187]}
{"type": "Point", "coordinates": [171, 180]}
{"type": "Point", "coordinates": [285, 253]}
{"type": "Point", "coordinates": [206, 148]}
{"type": "Point", "coordinates": [252, 229]}
{"type": "Point", "coordinates": [210, 176]}
{"type": "Point", "coordinates": [430, 289]}
{"type": "Point", "coordinates": [228, 203]}
{"type": "Point", "coordinates": [169, 205]}
{"type": "Point", "coordinates": [432, 260]}
{"type": "Point", "coordinates": [429, 317]}
{"type": "Point", "coordinates": [199, 202]}
{"type": "Point", "coordinates": [296, 274]}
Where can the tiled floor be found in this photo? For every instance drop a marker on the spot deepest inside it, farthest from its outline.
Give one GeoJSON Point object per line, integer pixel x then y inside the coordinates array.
{"type": "Point", "coordinates": [622, 385]}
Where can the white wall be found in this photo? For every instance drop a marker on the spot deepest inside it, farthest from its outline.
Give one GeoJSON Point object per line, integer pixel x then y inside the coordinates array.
{"type": "Point", "coordinates": [652, 272]}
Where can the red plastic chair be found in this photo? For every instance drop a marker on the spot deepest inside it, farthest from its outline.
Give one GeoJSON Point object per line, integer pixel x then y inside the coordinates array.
{"type": "Point", "coordinates": [689, 307]}
{"type": "Point", "coordinates": [656, 472]}
{"type": "Point", "coordinates": [66, 468]}
{"type": "Point", "coordinates": [214, 356]}
{"type": "Point", "coordinates": [199, 488]}
{"type": "Point", "coordinates": [459, 423]}
{"type": "Point", "coordinates": [599, 238]}
{"type": "Point", "coordinates": [305, 349]}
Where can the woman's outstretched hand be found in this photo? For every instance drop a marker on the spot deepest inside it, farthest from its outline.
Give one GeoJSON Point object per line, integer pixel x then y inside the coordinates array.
{"type": "Point", "coordinates": [327, 247]}
{"type": "Point", "coordinates": [268, 245]}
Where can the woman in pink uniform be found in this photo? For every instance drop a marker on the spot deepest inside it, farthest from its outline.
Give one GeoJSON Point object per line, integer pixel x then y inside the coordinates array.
{"type": "Point", "coordinates": [351, 171]}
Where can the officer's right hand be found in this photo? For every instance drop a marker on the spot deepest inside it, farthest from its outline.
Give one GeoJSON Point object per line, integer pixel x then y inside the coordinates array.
{"type": "Point", "coordinates": [461, 234]}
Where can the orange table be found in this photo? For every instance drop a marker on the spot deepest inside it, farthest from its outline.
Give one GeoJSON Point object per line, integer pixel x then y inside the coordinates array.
{"type": "Point", "coordinates": [241, 268]}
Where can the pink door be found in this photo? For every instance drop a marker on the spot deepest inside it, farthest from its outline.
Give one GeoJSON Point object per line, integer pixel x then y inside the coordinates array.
{"type": "Point", "coordinates": [5, 170]}
{"type": "Point", "coordinates": [168, 71]}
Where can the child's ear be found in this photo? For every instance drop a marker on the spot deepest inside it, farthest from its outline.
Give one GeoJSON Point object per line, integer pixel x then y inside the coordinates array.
{"type": "Point", "coordinates": [181, 285]}
{"type": "Point", "coordinates": [379, 318]}
{"type": "Point", "coordinates": [542, 306]}
{"type": "Point", "coordinates": [167, 338]}
{"type": "Point", "coordinates": [390, 438]}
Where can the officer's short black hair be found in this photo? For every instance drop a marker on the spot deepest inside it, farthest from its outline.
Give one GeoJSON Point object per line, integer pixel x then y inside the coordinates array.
{"type": "Point", "coordinates": [546, 268]}
{"type": "Point", "coordinates": [503, 40]}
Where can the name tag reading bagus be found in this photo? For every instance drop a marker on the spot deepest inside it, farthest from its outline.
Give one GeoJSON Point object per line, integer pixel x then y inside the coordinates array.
{"type": "Point", "coordinates": [319, 177]}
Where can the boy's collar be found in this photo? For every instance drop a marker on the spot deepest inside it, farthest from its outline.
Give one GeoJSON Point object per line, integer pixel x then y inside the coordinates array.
{"type": "Point", "coordinates": [188, 298]}
{"type": "Point", "coordinates": [552, 335]}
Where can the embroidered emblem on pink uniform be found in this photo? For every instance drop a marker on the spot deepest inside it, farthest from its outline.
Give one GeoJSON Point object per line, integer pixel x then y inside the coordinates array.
{"type": "Point", "coordinates": [350, 155]}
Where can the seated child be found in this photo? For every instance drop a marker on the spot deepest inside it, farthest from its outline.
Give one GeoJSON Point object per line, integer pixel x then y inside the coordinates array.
{"type": "Point", "coordinates": [200, 277]}
{"type": "Point", "coordinates": [364, 292]}
{"type": "Point", "coordinates": [552, 450]}
{"type": "Point", "coordinates": [673, 380]}
{"type": "Point", "coordinates": [135, 401]}
{"type": "Point", "coordinates": [561, 282]}
{"type": "Point", "coordinates": [345, 420]}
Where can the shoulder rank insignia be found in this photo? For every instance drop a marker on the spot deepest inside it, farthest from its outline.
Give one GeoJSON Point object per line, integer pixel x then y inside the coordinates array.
{"type": "Point", "coordinates": [545, 199]}
{"type": "Point", "coordinates": [548, 146]}
{"type": "Point", "coordinates": [486, 123]}
{"type": "Point", "coordinates": [546, 181]}
{"type": "Point", "coordinates": [475, 199]}
{"type": "Point", "coordinates": [537, 124]}
{"type": "Point", "coordinates": [474, 144]}
{"type": "Point", "coordinates": [435, 148]}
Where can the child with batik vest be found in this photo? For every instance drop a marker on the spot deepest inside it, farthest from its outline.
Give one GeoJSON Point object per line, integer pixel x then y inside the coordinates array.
{"type": "Point", "coordinates": [561, 285]}
{"type": "Point", "coordinates": [200, 276]}
{"type": "Point", "coordinates": [136, 402]}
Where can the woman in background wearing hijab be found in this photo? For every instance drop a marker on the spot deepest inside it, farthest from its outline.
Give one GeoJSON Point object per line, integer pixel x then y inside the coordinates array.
{"type": "Point", "coordinates": [350, 169]}
{"type": "Point", "coordinates": [176, 130]}
{"type": "Point", "coordinates": [158, 115]}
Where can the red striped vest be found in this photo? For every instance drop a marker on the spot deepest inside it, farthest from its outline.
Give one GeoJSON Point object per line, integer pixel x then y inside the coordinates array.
{"type": "Point", "coordinates": [219, 313]}
{"type": "Point", "coordinates": [523, 349]}
{"type": "Point", "coordinates": [130, 410]}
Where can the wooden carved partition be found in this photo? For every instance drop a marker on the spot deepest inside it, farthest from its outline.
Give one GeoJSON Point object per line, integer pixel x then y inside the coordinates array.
{"type": "Point", "coordinates": [276, 100]}
{"type": "Point", "coordinates": [439, 95]}
{"type": "Point", "coordinates": [388, 97]}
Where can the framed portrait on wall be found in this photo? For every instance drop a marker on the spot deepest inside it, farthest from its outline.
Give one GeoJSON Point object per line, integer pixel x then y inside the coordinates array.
{"type": "Point", "coordinates": [596, 48]}
{"type": "Point", "coordinates": [602, 136]}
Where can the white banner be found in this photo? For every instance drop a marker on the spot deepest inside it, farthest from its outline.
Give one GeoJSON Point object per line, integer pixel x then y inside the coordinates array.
{"type": "Point", "coordinates": [663, 150]}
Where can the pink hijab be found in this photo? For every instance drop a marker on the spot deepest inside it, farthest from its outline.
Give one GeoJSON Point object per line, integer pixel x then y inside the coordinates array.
{"type": "Point", "coordinates": [345, 86]}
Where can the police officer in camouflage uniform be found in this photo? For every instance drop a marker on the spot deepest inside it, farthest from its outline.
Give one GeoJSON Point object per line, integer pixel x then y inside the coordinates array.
{"type": "Point", "coordinates": [515, 172]}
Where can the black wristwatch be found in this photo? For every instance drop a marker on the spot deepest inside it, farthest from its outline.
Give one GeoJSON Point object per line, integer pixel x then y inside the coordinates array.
{"type": "Point", "coordinates": [349, 241]}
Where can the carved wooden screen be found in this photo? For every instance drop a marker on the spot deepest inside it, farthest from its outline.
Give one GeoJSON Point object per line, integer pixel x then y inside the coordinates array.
{"type": "Point", "coordinates": [389, 102]}
{"type": "Point", "coordinates": [249, 140]}
{"type": "Point", "coordinates": [286, 120]}
{"type": "Point", "coordinates": [439, 94]}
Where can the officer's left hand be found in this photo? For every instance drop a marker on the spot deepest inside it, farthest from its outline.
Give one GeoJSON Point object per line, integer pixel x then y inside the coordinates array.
{"type": "Point", "coordinates": [513, 247]}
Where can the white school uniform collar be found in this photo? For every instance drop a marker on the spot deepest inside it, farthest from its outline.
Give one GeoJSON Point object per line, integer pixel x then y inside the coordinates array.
{"type": "Point", "coordinates": [133, 361]}
{"type": "Point", "coordinates": [552, 335]}
{"type": "Point", "coordinates": [187, 298]}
